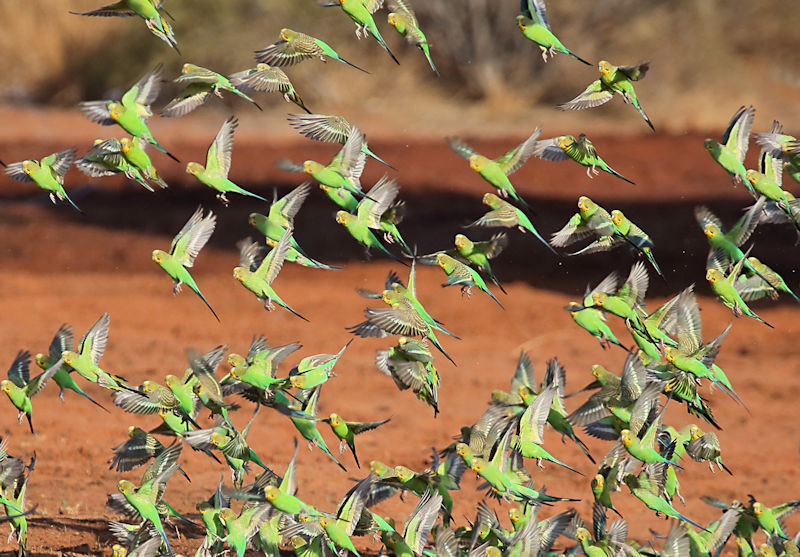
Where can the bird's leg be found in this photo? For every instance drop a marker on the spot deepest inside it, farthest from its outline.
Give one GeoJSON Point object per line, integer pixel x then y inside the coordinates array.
{"type": "Point", "coordinates": [310, 446]}
{"type": "Point", "coordinates": [466, 291]}
{"type": "Point", "coordinates": [268, 305]}
{"type": "Point", "coordinates": [322, 59]}
{"type": "Point", "coordinates": [19, 416]}
{"type": "Point", "coordinates": [539, 463]}
{"type": "Point", "coordinates": [341, 446]}
{"type": "Point", "coordinates": [61, 395]}
{"type": "Point", "coordinates": [217, 92]}
{"type": "Point", "coordinates": [176, 289]}
{"type": "Point", "coordinates": [595, 171]}
{"type": "Point", "coordinates": [388, 237]}
{"type": "Point", "coordinates": [544, 54]}
{"type": "Point", "coordinates": [53, 198]}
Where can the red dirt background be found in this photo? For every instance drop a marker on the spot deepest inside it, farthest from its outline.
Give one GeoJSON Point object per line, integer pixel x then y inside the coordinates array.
{"type": "Point", "coordinates": [59, 266]}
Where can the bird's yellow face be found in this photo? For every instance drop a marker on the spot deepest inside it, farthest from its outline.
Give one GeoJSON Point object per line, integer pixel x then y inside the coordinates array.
{"type": "Point", "coordinates": [187, 68]}
{"type": "Point", "coordinates": [742, 544]}
{"type": "Point", "coordinates": [171, 381]}
{"type": "Point", "coordinates": [617, 217]}
{"type": "Point", "coordinates": [403, 474]}
{"type": "Point", "coordinates": [203, 507]}
{"type": "Point", "coordinates": [524, 392]}
{"type": "Point", "coordinates": [227, 514]}
{"type": "Point", "coordinates": [402, 341]}
{"type": "Point", "coordinates": [5, 386]}
{"type": "Point", "coordinates": [271, 243]}
{"type": "Point", "coordinates": [764, 550]}
{"type": "Point", "coordinates": [124, 486]}
{"type": "Point", "coordinates": [131, 430]}
{"type": "Point", "coordinates": [253, 219]}
{"type": "Point", "coordinates": [461, 241]}
{"type": "Point", "coordinates": [598, 482]}
{"type": "Point", "coordinates": [68, 357]}
{"type": "Point", "coordinates": [710, 230]}
{"type": "Point", "coordinates": [477, 465]}
{"type": "Point", "coordinates": [309, 167]}
{"type": "Point", "coordinates": [564, 142]}
{"type": "Point", "coordinates": [285, 35]}
{"type": "Point", "coordinates": [583, 535]}
{"type": "Point", "coordinates": [626, 437]}
{"type": "Point", "coordinates": [694, 432]}
{"type": "Point", "coordinates": [599, 298]}
{"type": "Point", "coordinates": [194, 168]}
{"type": "Point", "coordinates": [712, 275]}
{"type": "Point", "coordinates": [28, 167]}
{"type": "Point", "coordinates": [441, 260]}
{"type": "Point", "coordinates": [197, 388]}
{"type": "Point", "coordinates": [604, 67]}
{"type": "Point", "coordinates": [114, 111]}
{"type": "Point", "coordinates": [235, 360]}
{"type": "Point", "coordinates": [118, 551]}
{"type": "Point", "coordinates": [708, 144]}
{"type": "Point", "coordinates": [583, 203]}
{"type": "Point", "coordinates": [514, 515]}
{"type": "Point", "coordinates": [596, 370]}
{"type": "Point", "coordinates": [341, 217]}
{"type": "Point", "coordinates": [297, 382]}
{"type": "Point", "coordinates": [297, 542]}
{"type": "Point", "coordinates": [238, 274]}
{"type": "Point", "coordinates": [271, 492]}
{"type": "Point", "coordinates": [324, 520]}
{"type": "Point", "coordinates": [386, 297]}
{"type": "Point", "coordinates": [392, 19]}
{"type": "Point", "coordinates": [125, 144]}
{"type": "Point", "coordinates": [325, 188]}
{"type": "Point", "coordinates": [218, 439]}
{"type": "Point", "coordinates": [752, 176]}
{"type": "Point", "coordinates": [462, 450]}
{"type": "Point", "coordinates": [148, 386]}
{"type": "Point", "coordinates": [41, 360]}
{"type": "Point", "coordinates": [336, 420]}
{"type": "Point", "coordinates": [474, 163]}
{"type": "Point", "coordinates": [521, 23]}
{"type": "Point", "coordinates": [758, 508]}
{"type": "Point", "coordinates": [236, 373]}
{"type": "Point", "coordinates": [158, 256]}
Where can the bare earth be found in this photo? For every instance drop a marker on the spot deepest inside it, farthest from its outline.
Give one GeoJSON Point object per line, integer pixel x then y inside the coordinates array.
{"type": "Point", "coordinates": [58, 266]}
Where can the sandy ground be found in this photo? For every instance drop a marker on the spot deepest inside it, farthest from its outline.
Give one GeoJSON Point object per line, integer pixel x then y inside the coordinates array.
{"type": "Point", "coordinates": [58, 266]}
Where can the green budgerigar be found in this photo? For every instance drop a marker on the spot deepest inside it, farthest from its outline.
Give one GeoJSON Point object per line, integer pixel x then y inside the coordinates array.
{"type": "Point", "coordinates": [268, 79]}
{"type": "Point", "coordinates": [402, 18]}
{"type": "Point", "coordinates": [47, 173]}
{"type": "Point", "coordinates": [151, 11]}
{"type": "Point", "coordinates": [613, 79]}
{"type": "Point", "coordinates": [20, 388]}
{"type": "Point", "coordinates": [735, 140]}
{"type": "Point", "coordinates": [532, 21]}
{"type": "Point", "coordinates": [329, 128]}
{"type": "Point", "coordinates": [360, 11]}
{"type": "Point", "coordinates": [294, 47]}
{"type": "Point", "coordinates": [580, 150]}
{"type": "Point", "coordinates": [200, 83]}
{"type": "Point", "coordinates": [105, 158]}
{"type": "Point", "coordinates": [504, 214]}
{"type": "Point", "coordinates": [460, 274]}
{"type": "Point", "coordinates": [184, 249]}
{"type": "Point", "coordinates": [218, 164]}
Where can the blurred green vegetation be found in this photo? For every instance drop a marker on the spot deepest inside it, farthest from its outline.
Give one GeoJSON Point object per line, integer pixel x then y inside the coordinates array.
{"type": "Point", "coordinates": [705, 54]}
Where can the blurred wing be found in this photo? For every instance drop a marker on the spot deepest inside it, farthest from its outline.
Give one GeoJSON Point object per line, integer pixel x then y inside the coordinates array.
{"type": "Point", "coordinates": [269, 80]}
{"type": "Point", "coordinates": [219, 153]}
{"type": "Point", "coordinates": [192, 96]}
{"type": "Point", "coordinates": [515, 158]}
{"type": "Point", "coordinates": [61, 161]}
{"type": "Point", "coordinates": [320, 127]}
{"type": "Point", "coordinates": [737, 134]}
{"type": "Point", "coordinates": [64, 339]}
{"type": "Point", "coordinates": [97, 112]}
{"type": "Point", "coordinates": [19, 373]}
{"type": "Point", "coordinates": [593, 95]}
{"type": "Point", "coordinates": [15, 172]}
{"type": "Point", "coordinates": [271, 266]}
{"type": "Point", "coordinates": [148, 86]}
{"type": "Point", "coordinates": [460, 147]}
{"type": "Point", "coordinates": [193, 239]}
{"type": "Point", "coordinates": [95, 339]}
{"type": "Point", "coordinates": [548, 149]}
{"type": "Point", "coordinates": [635, 73]}
{"type": "Point", "coordinates": [505, 216]}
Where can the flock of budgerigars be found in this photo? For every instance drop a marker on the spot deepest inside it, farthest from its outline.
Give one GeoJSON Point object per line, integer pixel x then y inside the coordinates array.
{"type": "Point", "coordinates": [669, 363]}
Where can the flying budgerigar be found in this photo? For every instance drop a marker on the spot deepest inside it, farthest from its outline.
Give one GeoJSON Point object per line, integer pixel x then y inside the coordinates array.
{"type": "Point", "coordinates": [329, 128]}
{"type": "Point", "coordinates": [132, 111]}
{"type": "Point", "coordinates": [613, 79]}
{"type": "Point", "coordinates": [151, 11]}
{"type": "Point", "coordinates": [47, 173]}
{"type": "Point", "coordinates": [268, 79]}
{"type": "Point", "coordinates": [294, 47]}
{"type": "Point", "coordinates": [404, 20]}
{"type": "Point", "coordinates": [532, 22]}
{"type": "Point", "coordinates": [580, 150]}
{"type": "Point", "coordinates": [200, 83]}
{"type": "Point", "coordinates": [360, 11]}
{"type": "Point", "coordinates": [735, 140]}
{"type": "Point", "coordinates": [218, 163]}
{"type": "Point", "coordinates": [184, 249]}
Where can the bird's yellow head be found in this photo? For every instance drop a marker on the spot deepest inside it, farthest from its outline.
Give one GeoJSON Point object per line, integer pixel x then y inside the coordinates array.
{"type": "Point", "coordinates": [524, 392]}
{"type": "Point", "coordinates": [441, 260]}
{"type": "Point", "coordinates": [462, 449]}
{"type": "Point", "coordinates": [626, 437]}
{"type": "Point", "coordinates": [743, 545]}
{"type": "Point", "coordinates": [237, 372]}
{"type": "Point", "coordinates": [564, 142]}
{"type": "Point", "coordinates": [461, 241]}
{"type": "Point", "coordinates": [5, 386]}
{"type": "Point", "coordinates": [238, 273]}
{"type": "Point", "coordinates": [203, 507]}
{"type": "Point", "coordinates": [475, 163]}
{"type": "Point", "coordinates": [194, 168]}
{"type": "Point", "coordinates": [271, 243]}
{"type": "Point", "coordinates": [583, 535]}
{"type": "Point", "coordinates": [378, 468]}
{"type": "Point", "coordinates": [124, 486]}
{"type": "Point", "coordinates": [694, 432]}
{"type": "Point", "coordinates": [342, 217]}
{"type": "Point", "coordinates": [126, 145]}
{"type": "Point", "coordinates": [159, 256]}
{"type": "Point", "coordinates": [310, 167]}
{"type": "Point", "coordinates": [69, 357]}
{"type": "Point", "coordinates": [336, 420]}
{"type": "Point", "coordinates": [490, 199]}
{"type": "Point", "coordinates": [617, 217]}
{"type": "Point", "coordinates": [758, 508]}
{"type": "Point", "coordinates": [387, 296]}
{"type": "Point", "coordinates": [287, 35]}
{"type": "Point", "coordinates": [492, 551]}
{"type": "Point", "coordinates": [297, 381]}
{"type": "Point", "coordinates": [670, 353]}
{"type": "Point", "coordinates": [326, 189]}
{"type": "Point", "coordinates": [597, 370]}
{"type": "Point", "coordinates": [604, 67]}
{"type": "Point", "coordinates": [149, 386]}
{"type": "Point", "coordinates": [188, 68]}
{"type": "Point", "coordinates": [255, 219]}
{"type": "Point", "coordinates": [28, 167]}
{"type": "Point", "coordinates": [599, 298]}
{"type": "Point", "coordinates": [392, 19]}
{"type": "Point", "coordinates": [324, 522]}
{"type": "Point", "coordinates": [708, 144]}
{"type": "Point", "coordinates": [218, 439]}
{"type": "Point", "coordinates": [765, 550]}
{"type": "Point", "coordinates": [573, 308]}
{"type": "Point", "coordinates": [477, 465]}
{"type": "Point", "coordinates": [171, 381]}
{"type": "Point", "coordinates": [271, 493]}
{"type": "Point", "coordinates": [713, 275]}
{"type": "Point", "coordinates": [514, 515]}
{"type": "Point", "coordinates": [404, 474]}
{"type": "Point", "coordinates": [522, 23]}
{"type": "Point", "coordinates": [114, 111]}
{"type": "Point", "coordinates": [598, 482]}
{"type": "Point", "coordinates": [297, 542]}
{"type": "Point", "coordinates": [41, 360]}
{"type": "Point", "coordinates": [711, 230]}
{"type": "Point", "coordinates": [584, 203]}
{"type": "Point", "coordinates": [235, 360]}
{"type": "Point", "coordinates": [132, 429]}
{"type": "Point", "coordinates": [226, 514]}
{"type": "Point", "coordinates": [752, 176]}
{"type": "Point", "coordinates": [118, 551]}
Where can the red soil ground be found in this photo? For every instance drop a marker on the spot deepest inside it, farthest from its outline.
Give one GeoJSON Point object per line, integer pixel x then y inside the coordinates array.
{"type": "Point", "coordinates": [57, 266]}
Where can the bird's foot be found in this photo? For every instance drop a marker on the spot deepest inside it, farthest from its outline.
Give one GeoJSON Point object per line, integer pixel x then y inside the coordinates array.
{"type": "Point", "coordinates": [539, 463]}
{"type": "Point", "coordinates": [53, 198]}
{"type": "Point", "coordinates": [310, 446]}
{"type": "Point", "coordinates": [61, 396]}
{"type": "Point", "coordinates": [222, 197]}
{"type": "Point", "coordinates": [323, 59]}
{"type": "Point", "coordinates": [217, 92]}
{"type": "Point", "coordinates": [268, 305]}
{"type": "Point", "coordinates": [544, 55]}
{"type": "Point", "coordinates": [341, 446]}
{"type": "Point", "coordinates": [466, 291]}
{"type": "Point", "coordinates": [595, 171]}
{"type": "Point", "coordinates": [19, 416]}
{"type": "Point", "coordinates": [176, 289]}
